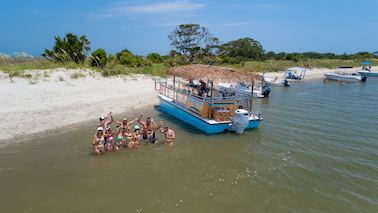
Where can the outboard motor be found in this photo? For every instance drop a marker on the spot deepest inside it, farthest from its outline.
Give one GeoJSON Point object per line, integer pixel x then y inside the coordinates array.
{"type": "Point", "coordinates": [239, 121]}
{"type": "Point", "coordinates": [363, 78]}
{"type": "Point", "coordinates": [266, 90]}
{"type": "Point", "coordinates": [286, 83]}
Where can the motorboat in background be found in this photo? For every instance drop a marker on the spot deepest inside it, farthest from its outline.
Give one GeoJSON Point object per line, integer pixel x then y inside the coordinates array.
{"type": "Point", "coordinates": [345, 77]}
{"type": "Point", "coordinates": [295, 73]}
{"type": "Point", "coordinates": [279, 82]}
{"type": "Point", "coordinates": [366, 70]}
{"type": "Point", "coordinates": [243, 89]}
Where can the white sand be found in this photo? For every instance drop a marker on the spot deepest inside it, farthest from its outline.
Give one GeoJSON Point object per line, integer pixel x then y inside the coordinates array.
{"type": "Point", "coordinates": [30, 106]}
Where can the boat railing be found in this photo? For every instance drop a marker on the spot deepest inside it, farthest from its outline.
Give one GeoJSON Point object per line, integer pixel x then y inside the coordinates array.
{"type": "Point", "coordinates": [182, 94]}
{"type": "Point", "coordinates": [173, 92]}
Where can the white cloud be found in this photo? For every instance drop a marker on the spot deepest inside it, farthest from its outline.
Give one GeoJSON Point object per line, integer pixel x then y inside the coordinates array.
{"type": "Point", "coordinates": [155, 8]}
{"type": "Point", "coordinates": [22, 55]}
{"type": "Point", "coordinates": [3, 55]}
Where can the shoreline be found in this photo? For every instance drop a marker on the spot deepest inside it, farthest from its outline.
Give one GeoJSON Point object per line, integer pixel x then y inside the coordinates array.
{"type": "Point", "coordinates": [59, 99]}
{"type": "Point", "coordinates": [63, 98]}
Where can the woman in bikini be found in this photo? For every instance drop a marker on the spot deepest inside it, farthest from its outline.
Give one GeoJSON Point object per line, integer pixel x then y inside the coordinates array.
{"type": "Point", "coordinates": [99, 141]}
{"type": "Point", "coordinates": [119, 139]}
{"type": "Point", "coordinates": [135, 139]}
{"type": "Point", "coordinates": [109, 139]}
{"type": "Point", "coordinates": [125, 124]}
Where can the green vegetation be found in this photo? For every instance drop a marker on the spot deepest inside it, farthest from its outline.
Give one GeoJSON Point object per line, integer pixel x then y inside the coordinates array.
{"type": "Point", "coordinates": [70, 48]}
{"type": "Point", "coordinates": [193, 44]}
{"type": "Point", "coordinates": [155, 58]}
{"type": "Point", "coordinates": [244, 49]}
{"type": "Point", "coordinates": [127, 58]}
{"type": "Point", "coordinates": [192, 40]}
{"type": "Point", "coordinates": [98, 58]}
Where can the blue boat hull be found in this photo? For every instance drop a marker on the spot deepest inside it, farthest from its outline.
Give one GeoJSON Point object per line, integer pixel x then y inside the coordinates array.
{"type": "Point", "coordinates": [197, 122]}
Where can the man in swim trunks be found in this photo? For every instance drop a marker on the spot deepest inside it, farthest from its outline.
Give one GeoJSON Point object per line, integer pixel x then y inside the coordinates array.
{"type": "Point", "coordinates": [168, 133]}
{"type": "Point", "coordinates": [149, 128]}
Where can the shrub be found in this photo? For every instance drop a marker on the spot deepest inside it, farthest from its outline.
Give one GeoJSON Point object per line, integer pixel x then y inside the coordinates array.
{"type": "Point", "coordinates": [155, 58]}
{"type": "Point", "coordinates": [98, 58]}
{"type": "Point", "coordinates": [69, 48]}
{"type": "Point", "coordinates": [127, 58]}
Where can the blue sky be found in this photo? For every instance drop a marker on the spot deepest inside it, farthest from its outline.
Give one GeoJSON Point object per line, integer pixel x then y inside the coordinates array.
{"type": "Point", "coordinates": [143, 25]}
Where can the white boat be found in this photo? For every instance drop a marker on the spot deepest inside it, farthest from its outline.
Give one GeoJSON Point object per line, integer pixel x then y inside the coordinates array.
{"type": "Point", "coordinates": [345, 77]}
{"type": "Point", "coordinates": [277, 82]}
{"type": "Point", "coordinates": [295, 73]}
{"type": "Point", "coordinates": [242, 89]}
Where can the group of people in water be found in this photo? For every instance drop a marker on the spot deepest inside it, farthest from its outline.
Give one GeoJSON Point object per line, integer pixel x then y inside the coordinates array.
{"type": "Point", "coordinates": [124, 136]}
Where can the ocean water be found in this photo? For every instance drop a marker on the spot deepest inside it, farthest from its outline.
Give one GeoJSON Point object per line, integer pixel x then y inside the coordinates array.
{"type": "Point", "coordinates": [316, 151]}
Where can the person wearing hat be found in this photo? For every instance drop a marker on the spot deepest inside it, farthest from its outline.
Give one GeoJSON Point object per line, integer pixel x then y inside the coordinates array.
{"type": "Point", "coordinates": [168, 133]}
{"type": "Point", "coordinates": [104, 122]}
{"type": "Point", "coordinates": [99, 141]}
{"type": "Point", "coordinates": [135, 139]}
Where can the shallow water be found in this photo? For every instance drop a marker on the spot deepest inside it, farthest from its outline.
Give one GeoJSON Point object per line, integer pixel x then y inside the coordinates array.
{"type": "Point", "coordinates": [316, 151]}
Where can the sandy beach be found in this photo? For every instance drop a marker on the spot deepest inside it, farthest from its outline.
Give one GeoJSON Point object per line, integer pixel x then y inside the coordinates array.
{"type": "Point", "coordinates": [57, 99]}
{"type": "Point", "coordinates": [61, 97]}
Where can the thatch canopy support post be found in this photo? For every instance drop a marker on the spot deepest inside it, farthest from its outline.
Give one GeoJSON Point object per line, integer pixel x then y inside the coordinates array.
{"type": "Point", "coordinates": [211, 99]}
{"type": "Point", "coordinates": [251, 102]}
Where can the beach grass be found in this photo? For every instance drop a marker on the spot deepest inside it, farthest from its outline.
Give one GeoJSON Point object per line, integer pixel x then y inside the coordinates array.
{"type": "Point", "coordinates": [17, 67]}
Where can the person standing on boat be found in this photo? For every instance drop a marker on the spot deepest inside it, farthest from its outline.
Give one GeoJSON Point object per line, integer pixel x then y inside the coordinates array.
{"type": "Point", "coordinates": [149, 128]}
{"type": "Point", "coordinates": [202, 88]}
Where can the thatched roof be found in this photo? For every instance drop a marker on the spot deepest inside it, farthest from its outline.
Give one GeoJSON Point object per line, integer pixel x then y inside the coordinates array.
{"type": "Point", "coordinates": [214, 73]}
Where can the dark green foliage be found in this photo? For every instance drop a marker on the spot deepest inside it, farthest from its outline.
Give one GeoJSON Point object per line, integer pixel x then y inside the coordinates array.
{"type": "Point", "coordinates": [70, 48]}
{"type": "Point", "coordinates": [192, 40]}
{"type": "Point", "coordinates": [315, 55]}
{"type": "Point", "coordinates": [98, 58]}
{"type": "Point", "coordinates": [245, 48]}
{"type": "Point", "coordinates": [155, 58]}
{"type": "Point", "coordinates": [125, 57]}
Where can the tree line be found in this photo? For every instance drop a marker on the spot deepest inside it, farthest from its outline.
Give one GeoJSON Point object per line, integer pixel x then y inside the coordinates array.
{"type": "Point", "coordinates": [192, 43]}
